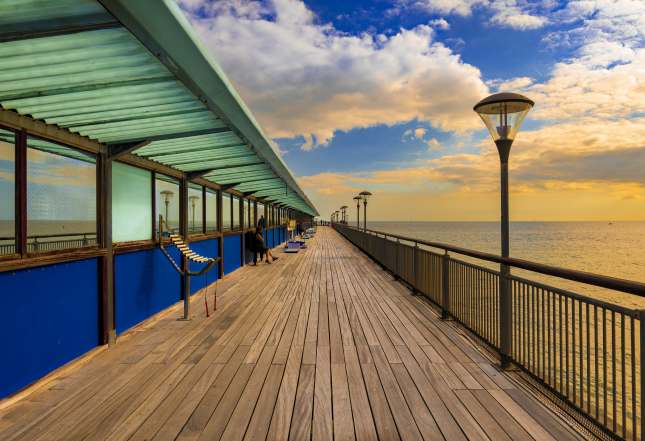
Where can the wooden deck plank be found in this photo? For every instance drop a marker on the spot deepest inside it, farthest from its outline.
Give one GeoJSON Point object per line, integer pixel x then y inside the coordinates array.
{"type": "Point", "coordinates": [322, 344]}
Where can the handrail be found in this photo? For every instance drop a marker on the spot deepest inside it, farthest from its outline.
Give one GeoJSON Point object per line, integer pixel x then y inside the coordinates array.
{"type": "Point", "coordinates": [47, 236]}
{"type": "Point", "coordinates": [614, 283]}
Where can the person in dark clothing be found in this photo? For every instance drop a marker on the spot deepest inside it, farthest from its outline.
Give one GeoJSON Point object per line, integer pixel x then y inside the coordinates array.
{"type": "Point", "coordinates": [261, 249]}
{"type": "Point", "coordinates": [261, 222]}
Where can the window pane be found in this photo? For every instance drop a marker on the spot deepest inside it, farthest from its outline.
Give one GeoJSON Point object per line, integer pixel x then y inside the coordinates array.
{"type": "Point", "coordinates": [167, 202]}
{"type": "Point", "coordinates": [245, 219]}
{"type": "Point", "coordinates": [61, 197]}
{"type": "Point", "coordinates": [253, 220]}
{"type": "Point", "coordinates": [131, 203]}
{"type": "Point", "coordinates": [7, 190]}
{"type": "Point", "coordinates": [236, 213]}
{"type": "Point", "coordinates": [260, 212]}
{"type": "Point", "coordinates": [211, 210]}
{"type": "Point", "coordinates": [195, 209]}
{"type": "Point", "coordinates": [226, 211]}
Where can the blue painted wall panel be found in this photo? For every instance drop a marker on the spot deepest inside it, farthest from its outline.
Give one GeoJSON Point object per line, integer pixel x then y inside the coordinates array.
{"type": "Point", "coordinates": [144, 284]}
{"type": "Point", "coordinates": [232, 253]}
{"type": "Point", "coordinates": [50, 316]}
{"type": "Point", "coordinates": [207, 248]}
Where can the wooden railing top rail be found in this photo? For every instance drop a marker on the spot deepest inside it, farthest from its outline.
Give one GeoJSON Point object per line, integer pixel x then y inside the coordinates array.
{"type": "Point", "coordinates": [614, 283]}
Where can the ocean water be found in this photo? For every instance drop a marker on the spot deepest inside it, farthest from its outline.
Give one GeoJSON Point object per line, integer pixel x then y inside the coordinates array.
{"type": "Point", "coordinates": [615, 249]}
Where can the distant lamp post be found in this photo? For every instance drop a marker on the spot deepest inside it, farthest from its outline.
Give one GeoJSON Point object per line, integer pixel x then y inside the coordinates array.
{"type": "Point", "coordinates": [193, 201]}
{"type": "Point", "coordinates": [167, 197]}
{"type": "Point", "coordinates": [365, 195]}
{"type": "Point", "coordinates": [343, 210]}
{"type": "Point", "coordinates": [358, 200]}
{"type": "Point", "coordinates": [503, 114]}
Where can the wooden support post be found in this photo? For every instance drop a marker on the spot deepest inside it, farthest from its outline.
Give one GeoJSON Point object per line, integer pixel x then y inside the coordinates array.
{"type": "Point", "coordinates": [21, 193]}
{"type": "Point", "coordinates": [183, 231]}
{"type": "Point", "coordinates": [242, 223]}
{"type": "Point", "coordinates": [220, 227]}
{"type": "Point", "coordinates": [104, 208]}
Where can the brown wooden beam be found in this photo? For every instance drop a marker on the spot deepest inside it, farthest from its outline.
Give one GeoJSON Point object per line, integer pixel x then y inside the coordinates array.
{"type": "Point", "coordinates": [106, 263]}
{"type": "Point", "coordinates": [116, 150]}
{"type": "Point", "coordinates": [20, 180]}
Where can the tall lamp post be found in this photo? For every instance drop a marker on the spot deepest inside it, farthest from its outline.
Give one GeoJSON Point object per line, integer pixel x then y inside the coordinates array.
{"type": "Point", "coordinates": [503, 114]}
{"type": "Point", "coordinates": [344, 214]}
{"type": "Point", "coordinates": [358, 211]}
{"type": "Point", "coordinates": [193, 201]}
{"type": "Point", "coordinates": [365, 195]}
{"type": "Point", "coordinates": [167, 197]}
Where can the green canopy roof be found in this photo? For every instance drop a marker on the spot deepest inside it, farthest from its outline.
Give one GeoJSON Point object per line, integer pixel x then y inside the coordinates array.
{"type": "Point", "coordinates": [119, 71]}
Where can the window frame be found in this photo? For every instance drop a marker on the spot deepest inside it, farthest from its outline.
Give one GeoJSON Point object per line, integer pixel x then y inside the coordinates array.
{"type": "Point", "coordinates": [18, 215]}
{"type": "Point", "coordinates": [22, 137]}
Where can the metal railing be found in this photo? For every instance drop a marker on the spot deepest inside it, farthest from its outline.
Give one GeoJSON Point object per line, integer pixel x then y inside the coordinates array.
{"type": "Point", "coordinates": [49, 242]}
{"type": "Point", "coordinates": [586, 351]}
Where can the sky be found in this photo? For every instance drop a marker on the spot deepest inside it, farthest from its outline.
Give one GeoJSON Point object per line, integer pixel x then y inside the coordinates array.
{"type": "Point", "coordinates": [378, 95]}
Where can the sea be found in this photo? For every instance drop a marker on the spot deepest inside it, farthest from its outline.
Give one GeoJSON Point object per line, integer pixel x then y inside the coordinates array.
{"type": "Point", "coordinates": [615, 249]}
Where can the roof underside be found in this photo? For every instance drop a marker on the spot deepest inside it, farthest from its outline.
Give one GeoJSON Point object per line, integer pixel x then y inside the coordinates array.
{"type": "Point", "coordinates": [72, 64]}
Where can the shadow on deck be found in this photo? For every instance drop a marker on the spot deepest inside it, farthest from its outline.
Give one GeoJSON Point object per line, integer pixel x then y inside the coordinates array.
{"type": "Point", "coordinates": [322, 344]}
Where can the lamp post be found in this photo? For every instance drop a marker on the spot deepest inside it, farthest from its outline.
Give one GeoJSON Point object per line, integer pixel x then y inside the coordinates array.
{"type": "Point", "coordinates": [167, 197]}
{"type": "Point", "coordinates": [358, 211]}
{"type": "Point", "coordinates": [503, 114]}
{"type": "Point", "coordinates": [193, 201]}
{"type": "Point", "coordinates": [365, 195]}
{"type": "Point", "coordinates": [344, 214]}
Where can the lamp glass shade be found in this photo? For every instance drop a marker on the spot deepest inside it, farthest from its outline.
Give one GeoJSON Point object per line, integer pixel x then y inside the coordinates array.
{"type": "Point", "coordinates": [503, 114]}
{"type": "Point", "coordinates": [365, 195]}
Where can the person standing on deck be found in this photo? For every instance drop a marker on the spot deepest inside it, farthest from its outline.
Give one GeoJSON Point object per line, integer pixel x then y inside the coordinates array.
{"type": "Point", "coordinates": [261, 222]}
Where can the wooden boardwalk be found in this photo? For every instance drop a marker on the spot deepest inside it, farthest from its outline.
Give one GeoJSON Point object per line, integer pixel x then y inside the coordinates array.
{"type": "Point", "coordinates": [321, 345]}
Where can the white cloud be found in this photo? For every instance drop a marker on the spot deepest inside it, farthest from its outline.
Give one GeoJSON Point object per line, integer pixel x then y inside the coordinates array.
{"type": "Point", "coordinates": [516, 14]}
{"type": "Point", "coordinates": [434, 144]}
{"type": "Point", "coordinates": [305, 78]}
{"type": "Point", "coordinates": [440, 23]}
{"type": "Point", "coordinates": [509, 13]}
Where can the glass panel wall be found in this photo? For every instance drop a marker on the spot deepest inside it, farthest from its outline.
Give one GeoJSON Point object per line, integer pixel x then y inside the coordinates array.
{"type": "Point", "coordinates": [61, 197]}
{"type": "Point", "coordinates": [211, 210]}
{"type": "Point", "coordinates": [236, 213]}
{"type": "Point", "coordinates": [226, 211]}
{"type": "Point", "coordinates": [261, 213]}
{"type": "Point", "coordinates": [252, 214]}
{"type": "Point", "coordinates": [7, 190]}
{"type": "Point", "coordinates": [245, 219]}
{"type": "Point", "coordinates": [195, 209]}
{"type": "Point", "coordinates": [167, 202]}
{"type": "Point", "coordinates": [131, 203]}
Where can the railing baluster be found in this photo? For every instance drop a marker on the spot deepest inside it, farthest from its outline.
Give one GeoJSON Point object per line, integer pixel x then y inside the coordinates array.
{"type": "Point", "coordinates": [622, 374]}
{"type": "Point", "coordinates": [613, 368]}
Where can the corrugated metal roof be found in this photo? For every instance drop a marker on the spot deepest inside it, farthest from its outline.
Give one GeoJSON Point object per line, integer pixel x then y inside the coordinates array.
{"type": "Point", "coordinates": [137, 73]}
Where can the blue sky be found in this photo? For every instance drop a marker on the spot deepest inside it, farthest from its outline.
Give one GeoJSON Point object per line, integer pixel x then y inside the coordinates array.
{"type": "Point", "coordinates": [379, 94]}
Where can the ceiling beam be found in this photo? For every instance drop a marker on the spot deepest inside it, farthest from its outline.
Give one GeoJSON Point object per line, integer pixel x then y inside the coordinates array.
{"type": "Point", "coordinates": [207, 171]}
{"type": "Point", "coordinates": [177, 135]}
{"type": "Point", "coordinates": [29, 32]}
{"type": "Point", "coordinates": [116, 150]}
{"type": "Point", "coordinates": [243, 179]}
{"type": "Point", "coordinates": [192, 150]}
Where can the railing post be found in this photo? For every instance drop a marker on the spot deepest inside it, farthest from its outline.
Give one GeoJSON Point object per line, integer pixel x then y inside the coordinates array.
{"type": "Point", "coordinates": [36, 244]}
{"type": "Point", "coordinates": [641, 318]}
{"type": "Point", "coordinates": [445, 285]}
{"type": "Point", "coordinates": [396, 259]}
{"type": "Point", "coordinates": [415, 261]}
{"type": "Point", "coordinates": [505, 316]}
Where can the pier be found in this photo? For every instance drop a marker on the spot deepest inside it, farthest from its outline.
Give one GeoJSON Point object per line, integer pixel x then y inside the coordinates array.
{"type": "Point", "coordinates": [323, 344]}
